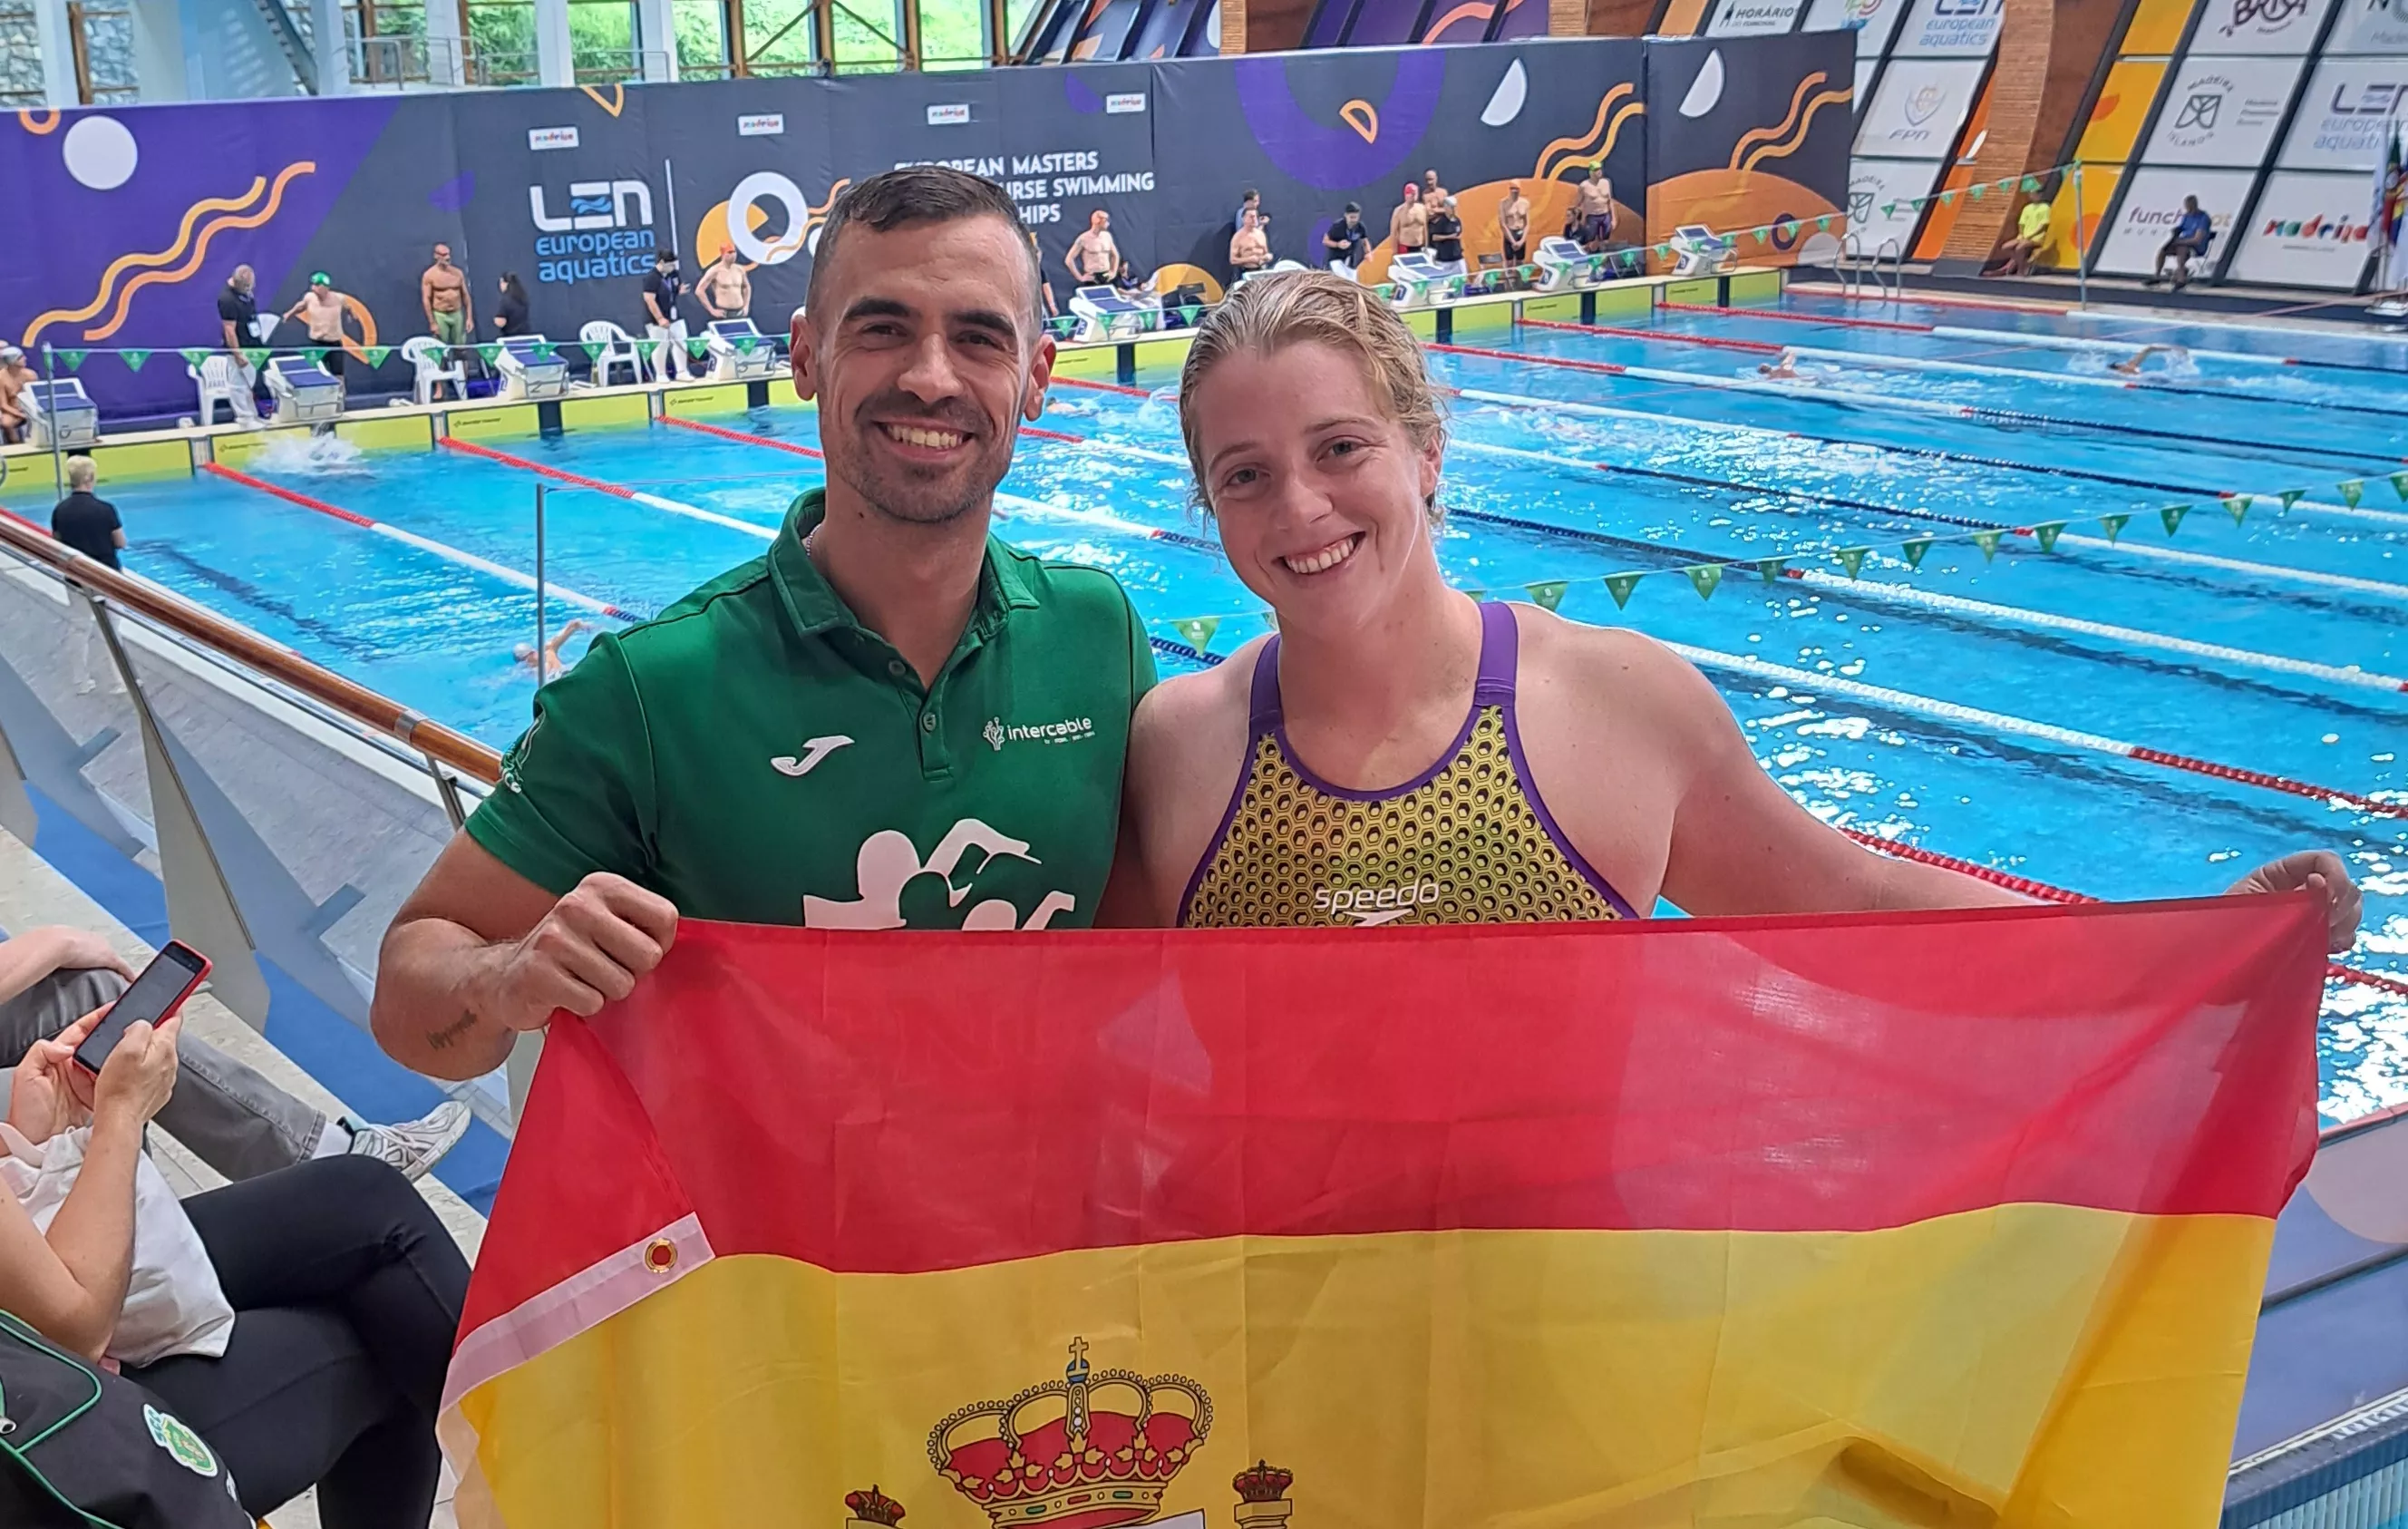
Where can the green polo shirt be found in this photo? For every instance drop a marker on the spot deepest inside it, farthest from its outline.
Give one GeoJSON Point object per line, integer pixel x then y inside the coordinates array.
{"type": "Point", "coordinates": [756, 754]}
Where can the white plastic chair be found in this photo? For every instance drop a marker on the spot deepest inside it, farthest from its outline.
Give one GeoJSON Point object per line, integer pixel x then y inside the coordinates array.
{"type": "Point", "coordinates": [610, 346]}
{"type": "Point", "coordinates": [429, 365]}
{"type": "Point", "coordinates": [221, 382]}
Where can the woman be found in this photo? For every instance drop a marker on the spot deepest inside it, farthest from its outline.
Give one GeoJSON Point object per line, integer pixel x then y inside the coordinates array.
{"type": "Point", "coordinates": [346, 1290]}
{"type": "Point", "coordinates": [1398, 753]}
{"type": "Point", "coordinates": [511, 316]}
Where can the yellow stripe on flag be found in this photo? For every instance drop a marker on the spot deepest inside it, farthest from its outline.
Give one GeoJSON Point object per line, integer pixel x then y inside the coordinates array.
{"type": "Point", "coordinates": [2043, 1363]}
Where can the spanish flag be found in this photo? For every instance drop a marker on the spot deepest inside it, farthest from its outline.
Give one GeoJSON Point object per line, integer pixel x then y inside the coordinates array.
{"type": "Point", "coordinates": [1924, 1218]}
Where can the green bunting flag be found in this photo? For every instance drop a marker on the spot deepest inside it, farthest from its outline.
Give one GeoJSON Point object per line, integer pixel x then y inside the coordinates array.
{"type": "Point", "coordinates": [1199, 631]}
{"type": "Point", "coordinates": [698, 347]}
{"type": "Point", "coordinates": [2031, 185]}
{"type": "Point", "coordinates": [1977, 188]}
{"type": "Point", "coordinates": [69, 359]}
{"type": "Point", "coordinates": [1853, 559]}
{"type": "Point", "coordinates": [542, 349]}
{"type": "Point", "coordinates": [2238, 505]}
{"type": "Point", "coordinates": [1823, 223]}
{"type": "Point", "coordinates": [257, 358]}
{"type": "Point", "coordinates": [134, 359]}
{"type": "Point", "coordinates": [1947, 198]}
{"type": "Point", "coordinates": [1703, 578]}
{"type": "Point", "coordinates": [2292, 497]}
{"type": "Point", "coordinates": [747, 344]}
{"type": "Point", "coordinates": [315, 355]}
{"type": "Point", "coordinates": [1915, 548]}
{"type": "Point", "coordinates": [1889, 209]}
{"type": "Point", "coordinates": [375, 354]}
{"type": "Point", "coordinates": [1549, 595]}
{"type": "Point", "coordinates": [1770, 568]}
{"type": "Point", "coordinates": [487, 354]}
{"type": "Point", "coordinates": [1989, 542]}
{"type": "Point", "coordinates": [2172, 516]}
{"type": "Point", "coordinates": [1189, 312]}
{"type": "Point", "coordinates": [1477, 594]}
{"type": "Point", "coordinates": [2352, 490]}
{"type": "Point", "coordinates": [2046, 535]}
{"type": "Point", "coordinates": [2400, 485]}
{"type": "Point", "coordinates": [644, 348]}
{"type": "Point", "coordinates": [2114, 525]}
{"type": "Point", "coordinates": [1620, 585]}
{"type": "Point", "coordinates": [196, 356]}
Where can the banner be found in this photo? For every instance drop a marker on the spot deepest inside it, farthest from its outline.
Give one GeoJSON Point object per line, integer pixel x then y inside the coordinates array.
{"type": "Point", "coordinates": [1750, 132]}
{"type": "Point", "coordinates": [2222, 111]}
{"type": "Point", "coordinates": [1871, 20]}
{"type": "Point", "coordinates": [2153, 203]}
{"type": "Point", "coordinates": [1952, 28]}
{"type": "Point", "coordinates": [2259, 26]}
{"type": "Point", "coordinates": [1918, 107]}
{"type": "Point", "coordinates": [2345, 121]}
{"type": "Point", "coordinates": [2307, 231]}
{"type": "Point", "coordinates": [2369, 26]}
{"type": "Point", "coordinates": [1903, 1219]}
{"type": "Point", "coordinates": [1753, 18]}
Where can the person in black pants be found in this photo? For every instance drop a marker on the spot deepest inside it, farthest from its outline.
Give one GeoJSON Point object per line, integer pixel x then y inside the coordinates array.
{"type": "Point", "coordinates": [347, 1293]}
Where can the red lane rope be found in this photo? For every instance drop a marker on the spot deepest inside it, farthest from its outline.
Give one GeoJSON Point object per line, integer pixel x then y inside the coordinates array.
{"type": "Point", "coordinates": [2271, 782]}
{"type": "Point", "coordinates": [1718, 341]}
{"type": "Point", "coordinates": [1525, 357]}
{"type": "Point", "coordinates": [1779, 314]}
{"type": "Point", "coordinates": [303, 500]}
{"type": "Point", "coordinates": [1051, 435]}
{"type": "Point", "coordinates": [2334, 971]}
{"type": "Point", "coordinates": [726, 434]}
{"type": "Point", "coordinates": [455, 443]}
{"type": "Point", "coordinates": [1101, 387]}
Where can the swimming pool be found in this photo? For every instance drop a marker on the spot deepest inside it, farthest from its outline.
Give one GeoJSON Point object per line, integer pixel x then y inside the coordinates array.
{"type": "Point", "coordinates": [2063, 714]}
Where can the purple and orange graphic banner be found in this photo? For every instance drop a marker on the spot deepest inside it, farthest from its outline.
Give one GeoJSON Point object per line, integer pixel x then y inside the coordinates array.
{"type": "Point", "coordinates": [1907, 1219]}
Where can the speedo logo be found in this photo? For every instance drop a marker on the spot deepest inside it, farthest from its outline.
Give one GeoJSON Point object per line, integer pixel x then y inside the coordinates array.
{"type": "Point", "coordinates": [1070, 730]}
{"type": "Point", "coordinates": [1369, 905]}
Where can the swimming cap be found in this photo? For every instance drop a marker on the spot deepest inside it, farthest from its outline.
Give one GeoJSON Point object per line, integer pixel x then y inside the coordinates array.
{"type": "Point", "coordinates": [319, 279]}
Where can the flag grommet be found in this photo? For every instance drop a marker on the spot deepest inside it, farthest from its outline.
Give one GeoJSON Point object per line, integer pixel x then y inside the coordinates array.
{"type": "Point", "coordinates": [660, 1255]}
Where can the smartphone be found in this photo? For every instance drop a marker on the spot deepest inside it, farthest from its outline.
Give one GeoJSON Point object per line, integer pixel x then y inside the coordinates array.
{"type": "Point", "coordinates": [158, 992]}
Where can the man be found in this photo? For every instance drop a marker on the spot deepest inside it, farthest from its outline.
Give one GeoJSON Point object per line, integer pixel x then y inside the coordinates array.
{"type": "Point", "coordinates": [443, 297]}
{"type": "Point", "coordinates": [1445, 233]}
{"type": "Point", "coordinates": [1408, 224]}
{"type": "Point", "coordinates": [2015, 258]}
{"type": "Point", "coordinates": [238, 331]}
{"type": "Point", "coordinates": [1251, 202]}
{"type": "Point", "coordinates": [15, 377]}
{"type": "Point", "coordinates": [663, 325]}
{"type": "Point", "coordinates": [554, 664]}
{"type": "Point", "coordinates": [1093, 256]}
{"type": "Point", "coordinates": [1347, 242]}
{"type": "Point", "coordinates": [234, 1119]}
{"type": "Point", "coordinates": [1249, 251]}
{"type": "Point", "coordinates": [1596, 209]}
{"type": "Point", "coordinates": [86, 522]}
{"type": "Point", "coordinates": [724, 290]}
{"type": "Point", "coordinates": [2193, 232]}
{"type": "Point", "coordinates": [321, 311]}
{"type": "Point", "coordinates": [887, 721]}
{"type": "Point", "coordinates": [1513, 219]}
{"type": "Point", "coordinates": [1432, 192]}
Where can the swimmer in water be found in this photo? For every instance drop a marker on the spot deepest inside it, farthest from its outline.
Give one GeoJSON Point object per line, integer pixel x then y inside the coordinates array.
{"type": "Point", "coordinates": [553, 666]}
{"type": "Point", "coordinates": [2175, 356]}
{"type": "Point", "coordinates": [1783, 368]}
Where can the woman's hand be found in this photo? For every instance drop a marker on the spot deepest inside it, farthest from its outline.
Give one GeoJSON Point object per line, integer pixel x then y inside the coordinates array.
{"type": "Point", "coordinates": [49, 1092]}
{"type": "Point", "coordinates": [139, 1074]}
{"type": "Point", "coordinates": [2321, 871]}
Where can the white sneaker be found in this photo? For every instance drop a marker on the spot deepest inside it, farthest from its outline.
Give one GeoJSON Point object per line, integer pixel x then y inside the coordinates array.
{"type": "Point", "coordinates": [414, 1146]}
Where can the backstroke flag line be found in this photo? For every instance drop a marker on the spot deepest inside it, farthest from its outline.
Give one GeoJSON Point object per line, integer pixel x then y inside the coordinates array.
{"type": "Point", "coordinates": [1889, 1220]}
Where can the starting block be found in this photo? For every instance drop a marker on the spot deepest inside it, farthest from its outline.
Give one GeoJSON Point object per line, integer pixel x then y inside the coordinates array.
{"type": "Point", "coordinates": [740, 353]}
{"type": "Point", "coordinates": [531, 368]}
{"type": "Point", "coordinates": [305, 392]}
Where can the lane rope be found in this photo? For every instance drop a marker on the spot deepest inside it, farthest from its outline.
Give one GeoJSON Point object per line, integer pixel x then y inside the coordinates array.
{"type": "Point", "coordinates": [427, 544]}
{"type": "Point", "coordinates": [657, 501]}
{"type": "Point", "coordinates": [1825, 319]}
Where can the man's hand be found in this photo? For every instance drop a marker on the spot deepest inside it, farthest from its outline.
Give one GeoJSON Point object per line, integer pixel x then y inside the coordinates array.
{"type": "Point", "coordinates": [80, 950]}
{"type": "Point", "coordinates": [2321, 871]}
{"type": "Point", "coordinates": [589, 950]}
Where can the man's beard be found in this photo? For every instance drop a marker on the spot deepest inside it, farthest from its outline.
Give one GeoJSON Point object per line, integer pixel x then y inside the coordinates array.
{"type": "Point", "coordinates": [924, 495]}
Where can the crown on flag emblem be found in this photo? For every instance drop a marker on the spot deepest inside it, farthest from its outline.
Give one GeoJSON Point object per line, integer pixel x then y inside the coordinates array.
{"type": "Point", "coordinates": [1094, 1449]}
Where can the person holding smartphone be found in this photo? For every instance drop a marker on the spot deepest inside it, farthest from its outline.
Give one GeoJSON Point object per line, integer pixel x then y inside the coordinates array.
{"type": "Point", "coordinates": [346, 1288]}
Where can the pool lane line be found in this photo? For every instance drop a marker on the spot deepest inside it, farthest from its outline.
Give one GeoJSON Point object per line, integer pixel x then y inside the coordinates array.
{"type": "Point", "coordinates": [2108, 316]}
{"type": "Point", "coordinates": [1935, 299]}
{"type": "Point", "coordinates": [1850, 398]}
{"type": "Point", "coordinates": [2043, 891]}
{"type": "Point", "coordinates": [1761, 347]}
{"type": "Point", "coordinates": [795, 447]}
{"type": "Point", "coordinates": [2002, 723]}
{"type": "Point", "coordinates": [427, 544]}
{"type": "Point", "coordinates": [2123, 347]}
{"type": "Point", "coordinates": [1094, 386]}
{"type": "Point", "coordinates": [1827, 320]}
{"type": "Point", "coordinates": [575, 479]}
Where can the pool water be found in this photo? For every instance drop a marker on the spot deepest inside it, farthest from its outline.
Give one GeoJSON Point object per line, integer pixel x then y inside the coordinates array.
{"type": "Point", "coordinates": [1569, 472]}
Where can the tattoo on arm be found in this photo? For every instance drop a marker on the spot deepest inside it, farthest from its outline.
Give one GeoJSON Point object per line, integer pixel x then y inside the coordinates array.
{"type": "Point", "coordinates": [452, 1034]}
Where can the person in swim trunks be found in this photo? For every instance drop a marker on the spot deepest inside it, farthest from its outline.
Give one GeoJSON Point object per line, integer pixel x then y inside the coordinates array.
{"type": "Point", "coordinates": [1401, 753]}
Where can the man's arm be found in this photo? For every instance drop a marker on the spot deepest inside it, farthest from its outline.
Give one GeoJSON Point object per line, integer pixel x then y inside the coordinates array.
{"type": "Point", "coordinates": [37, 953]}
{"type": "Point", "coordinates": [1070, 258]}
{"type": "Point", "coordinates": [467, 307]}
{"type": "Point", "coordinates": [478, 953]}
{"type": "Point", "coordinates": [652, 306]}
{"type": "Point", "coordinates": [226, 326]}
{"type": "Point", "coordinates": [426, 294]}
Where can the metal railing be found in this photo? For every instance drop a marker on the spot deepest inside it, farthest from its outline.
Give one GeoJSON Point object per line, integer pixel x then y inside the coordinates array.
{"type": "Point", "coordinates": [1885, 270]}
{"type": "Point", "coordinates": [286, 810]}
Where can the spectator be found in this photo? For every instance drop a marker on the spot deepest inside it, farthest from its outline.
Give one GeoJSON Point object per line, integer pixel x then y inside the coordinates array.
{"type": "Point", "coordinates": [84, 521]}
{"type": "Point", "coordinates": [510, 313]}
{"type": "Point", "coordinates": [443, 297]}
{"type": "Point", "coordinates": [1251, 202]}
{"type": "Point", "coordinates": [1445, 233]}
{"type": "Point", "coordinates": [661, 325]}
{"type": "Point", "coordinates": [2193, 233]}
{"type": "Point", "coordinates": [1044, 287]}
{"type": "Point", "coordinates": [320, 313]}
{"type": "Point", "coordinates": [724, 290]}
{"type": "Point", "coordinates": [346, 1292]}
{"type": "Point", "coordinates": [1513, 220]}
{"type": "Point", "coordinates": [1347, 242]}
{"type": "Point", "coordinates": [1124, 277]}
{"type": "Point", "coordinates": [1093, 256]}
{"type": "Point", "coordinates": [1432, 192]}
{"type": "Point", "coordinates": [1249, 251]}
{"type": "Point", "coordinates": [15, 377]}
{"type": "Point", "coordinates": [2014, 257]}
{"type": "Point", "coordinates": [234, 1119]}
{"type": "Point", "coordinates": [1596, 210]}
{"type": "Point", "coordinates": [1408, 224]}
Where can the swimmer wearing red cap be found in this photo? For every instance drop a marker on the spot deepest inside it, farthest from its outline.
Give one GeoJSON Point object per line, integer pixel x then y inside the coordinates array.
{"type": "Point", "coordinates": [1408, 225]}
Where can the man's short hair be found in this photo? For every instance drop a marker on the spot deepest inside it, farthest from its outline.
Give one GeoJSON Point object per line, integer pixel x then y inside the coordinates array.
{"type": "Point", "coordinates": [918, 194]}
{"type": "Point", "coordinates": [659, 255]}
{"type": "Point", "coordinates": [80, 473]}
{"type": "Point", "coordinates": [1355, 208]}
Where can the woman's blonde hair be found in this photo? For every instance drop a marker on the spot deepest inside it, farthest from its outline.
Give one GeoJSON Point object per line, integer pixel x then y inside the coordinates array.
{"type": "Point", "coordinates": [1269, 313]}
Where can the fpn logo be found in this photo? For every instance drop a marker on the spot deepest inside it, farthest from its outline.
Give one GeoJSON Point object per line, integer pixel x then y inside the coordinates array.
{"type": "Point", "coordinates": [606, 231]}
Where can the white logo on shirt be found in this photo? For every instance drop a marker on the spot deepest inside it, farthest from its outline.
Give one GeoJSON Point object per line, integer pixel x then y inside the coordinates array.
{"type": "Point", "coordinates": [1372, 906]}
{"type": "Point", "coordinates": [887, 862]}
{"type": "Point", "coordinates": [814, 750]}
{"type": "Point", "coordinates": [1070, 730]}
